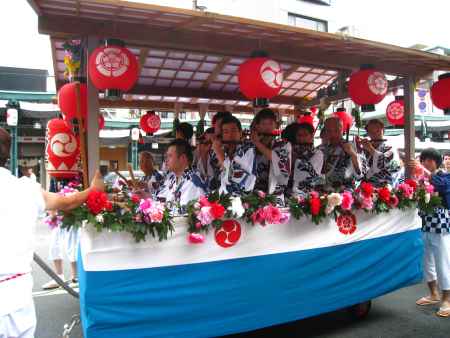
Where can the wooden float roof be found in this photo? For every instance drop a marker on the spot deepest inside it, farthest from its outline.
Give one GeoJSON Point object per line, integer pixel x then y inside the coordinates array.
{"type": "Point", "coordinates": [192, 57]}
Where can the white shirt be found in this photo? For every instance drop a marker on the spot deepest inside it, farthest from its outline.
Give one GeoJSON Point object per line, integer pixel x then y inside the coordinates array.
{"type": "Point", "coordinates": [21, 202]}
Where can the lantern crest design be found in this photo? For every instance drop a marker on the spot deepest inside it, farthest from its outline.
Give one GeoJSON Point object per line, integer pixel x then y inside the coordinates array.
{"type": "Point", "coordinates": [440, 93]}
{"type": "Point", "coordinates": [113, 68]}
{"type": "Point", "coordinates": [150, 122]}
{"type": "Point", "coordinates": [62, 150]}
{"type": "Point", "coordinates": [395, 112]}
{"type": "Point", "coordinates": [112, 62]}
{"type": "Point", "coordinates": [260, 79]}
{"type": "Point", "coordinates": [367, 87]}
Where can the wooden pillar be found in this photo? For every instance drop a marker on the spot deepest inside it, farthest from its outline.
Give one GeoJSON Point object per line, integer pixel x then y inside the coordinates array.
{"type": "Point", "coordinates": [92, 135]}
{"type": "Point", "coordinates": [410, 130]}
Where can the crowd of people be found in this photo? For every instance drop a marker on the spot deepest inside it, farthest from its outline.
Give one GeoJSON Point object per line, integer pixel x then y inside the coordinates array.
{"type": "Point", "coordinates": [234, 162]}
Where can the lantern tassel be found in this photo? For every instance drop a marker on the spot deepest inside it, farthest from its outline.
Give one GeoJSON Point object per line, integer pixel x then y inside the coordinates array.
{"type": "Point", "coordinates": [82, 134]}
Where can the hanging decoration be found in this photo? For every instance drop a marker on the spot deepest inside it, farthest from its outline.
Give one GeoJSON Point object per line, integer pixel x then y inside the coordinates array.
{"type": "Point", "coordinates": [62, 150]}
{"type": "Point", "coordinates": [67, 101]}
{"type": "Point", "coordinates": [440, 93]}
{"type": "Point", "coordinates": [260, 79]}
{"type": "Point", "coordinates": [367, 87]}
{"type": "Point", "coordinates": [113, 68]}
{"type": "Point", "coordinates": [395, 112]}
{"type": "Point", "coordinates": [309, 118]}
{"type": "Point", "coordinates": [101, 121]}
{"type": "Point", "coordinates": [72, 59]}
{"type": "Point", "coordinates": [228, 234]}
{"type": "Point", "coordinates": [150, 122]}
{"type": "Point", "coordinates": [346, 223]}
{"type": "Point", "coordinates": [347, 119]}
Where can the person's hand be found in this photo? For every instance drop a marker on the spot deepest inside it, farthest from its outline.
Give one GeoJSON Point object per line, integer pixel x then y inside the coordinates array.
{"type": "Point", "coordinates": [367, 146]}
{"type": "Point", "coordinates": [217, 145]}
{"type": "Point", "coordinates": [97, 182]}
{"type": "Point", "coordinates": [348, 148]}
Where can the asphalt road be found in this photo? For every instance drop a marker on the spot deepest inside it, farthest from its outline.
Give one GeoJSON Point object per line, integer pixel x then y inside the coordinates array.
{"type": "Point", "coordinates": [392, 316]}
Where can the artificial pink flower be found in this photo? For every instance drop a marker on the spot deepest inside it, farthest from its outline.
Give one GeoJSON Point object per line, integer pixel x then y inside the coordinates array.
{"type": "Point", "coordinates": [285, 217]}
{"type": "Point", "coordinates": [258, 216]}
{"type": "Point", "coordinates": [204, 216]}
{"type": "Point", "coordinates": [272, 214]}
{"type": "Point", "coordinates": [204, 202]}
{"type": "Point", "coordinates": [194, 238]}
{"type": "Point", "coordinates": [406, 189]}
{"type": "Point", "coordinates": [347, 200]}
{"type": "Point", "coordinates": [367, 203]}
{"type": "Point", "coordinates": [145, 205]}
{"type": "Point", "coordinates": [261, 194]}
{"type": "Point", "coordinates": [429, 188]}
{"type": "Point", "coordinates": [156, 215]}
{"type": "Point", "coordinates": [394, 201]}
{"type": "Point", "coordinates": [198, 225]}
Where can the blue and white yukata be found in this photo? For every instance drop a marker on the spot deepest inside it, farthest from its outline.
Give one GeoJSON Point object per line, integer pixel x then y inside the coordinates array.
{"type": "Point", "coordinates": [307, 174]}
{"type": "Point", "coordinates": [273, 177]}
{"type": "Point", "coordinates": [178, 192]}
{"type": "Point", "coordinates": [237, 176]}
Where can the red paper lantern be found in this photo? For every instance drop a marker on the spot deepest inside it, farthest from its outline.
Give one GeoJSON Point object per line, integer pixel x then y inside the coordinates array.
{"type": "Point", "coordinates": [440, 93]}
{"type": "Point", "coordinates": [113, 68]}
{"type": "Point", "coordinates": [101, 121]}
{"type": "Point", "coordinates": [67, 101]}
{"type": "Point", "coordinates": [347, 119]}
{"type": "Point", "coordinates": [395, 112]}
{"type": "Point", "coordinates": [150, 122]}
{"type": "Point", "coordinates": [62, 150]}
{"type": "Point", "coordinates": [367, 87]}
{"type": "Point", "coordinates": [260, 79]}
{"type": "Point", "coordinates": [309, 119]}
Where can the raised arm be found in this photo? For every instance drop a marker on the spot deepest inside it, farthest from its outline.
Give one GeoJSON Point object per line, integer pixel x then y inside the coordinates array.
{"type": "Point", "coordinates": [57, 202]}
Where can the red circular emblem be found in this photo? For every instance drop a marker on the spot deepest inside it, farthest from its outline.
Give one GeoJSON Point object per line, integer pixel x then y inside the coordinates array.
{"type": "Point", "coordinates": [346, 223]}
{"type": "Point", "coordinates": [112, 62]}
{"type": "Point", "coordinates": [395, 113]}
{"type": "Point", "coordinates": [229, 234]}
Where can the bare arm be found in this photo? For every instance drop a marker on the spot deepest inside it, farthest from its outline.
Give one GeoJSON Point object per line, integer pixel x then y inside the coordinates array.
{"type": "Point", "coordinates": [57, 202]}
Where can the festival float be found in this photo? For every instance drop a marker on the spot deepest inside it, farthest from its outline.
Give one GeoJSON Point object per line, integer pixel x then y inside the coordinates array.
{"type": "Point", "coordinates": [229, 264]}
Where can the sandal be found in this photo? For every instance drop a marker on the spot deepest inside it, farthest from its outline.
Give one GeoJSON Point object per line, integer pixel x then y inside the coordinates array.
{"type": "Point", "coordinates": [443, 312]}
{"type": "Point", "coordinates": [427, 301]}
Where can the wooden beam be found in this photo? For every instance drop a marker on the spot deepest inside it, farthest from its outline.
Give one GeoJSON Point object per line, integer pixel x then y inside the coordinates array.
{"type": "Point", "coordinates": [35, 7]}
{"type": "Point", "coordinates": [214, 43]}
{"type": "Point", "coordinates": [93, 145]}
{"type": "Point", "coordinates": [213, 75]}
{"type": "Point", "coordinates": [55, 62]}
{"type": "Point", "coordinates": [409, 127]}
{"type": "Point", "coordinates": [143, 57]}
{"type": "Point", "coordinates": [170, 106]}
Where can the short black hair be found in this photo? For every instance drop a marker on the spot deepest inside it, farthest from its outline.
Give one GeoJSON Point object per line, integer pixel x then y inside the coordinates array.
{"type": "Point", "coordinates": [220, 115]}
{"type": "Point", "coordinates": [374, 121]}
{"type": "Point", "coordinates": [289, 133]}
{"type": "Point", "coordinates": [186, 129]}
{"type": "Point", "coordinates": [306, 126]}
{"type": "Point", "coordinates": [232, 119]}
{"type": "Point", "coordinates": [264, 114]}
{"type": "Point", "coordinates": [431, 154]}
{"type": "Point", "coordinates": [182, 147]}
{"type": "Point", "coordinates": [209, 131]}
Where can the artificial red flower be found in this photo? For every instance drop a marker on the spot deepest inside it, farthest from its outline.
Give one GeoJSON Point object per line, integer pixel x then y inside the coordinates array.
{"type": "Point", "coordinates": [366, 189]}
{"type": "Point", "coordinates": [384, 194]}
{"type": "Point", "coordinates": [314, 203]}
{"type": "Point", "coordinates": [411, 183]}
{"type": "Point", "coordinates": [217, 210]}
{"type": "Point", "coordinates": [135, 199]}
{"type": "Point", "coordinates": [97, 201]}
{"type": "Point", "coordinates": [108, 206]}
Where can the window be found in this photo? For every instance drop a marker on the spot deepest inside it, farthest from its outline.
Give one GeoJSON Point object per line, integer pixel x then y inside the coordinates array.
{"type": "Point", "coordinates": [307, 22]}
{"type": "Point", "coordinates": [164, 115]}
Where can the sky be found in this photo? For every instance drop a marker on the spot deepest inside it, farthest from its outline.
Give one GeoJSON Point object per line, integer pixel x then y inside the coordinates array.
{"type": "Point", "coordinates": [400, 22]}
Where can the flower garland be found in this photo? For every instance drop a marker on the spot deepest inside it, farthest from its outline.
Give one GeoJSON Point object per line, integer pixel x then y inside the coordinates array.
{"type": "Point", "coordinates": [142, 217]}
{"type": "Point", "coordinates": [139, 217]}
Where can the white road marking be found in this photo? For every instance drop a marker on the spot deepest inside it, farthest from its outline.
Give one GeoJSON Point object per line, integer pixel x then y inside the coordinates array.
{"type": "Point", "coordinates": [53, 292]}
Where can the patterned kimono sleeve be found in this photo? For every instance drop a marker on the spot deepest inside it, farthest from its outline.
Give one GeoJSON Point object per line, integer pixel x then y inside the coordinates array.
{"type": "Point", "coordinates": [351, 170]}
{"type": "Point", "coordinates": [238, 174]}
{"type": "Point", "coordinates": [163, 192]}
{"type": "Point", "coordinates": [193, 189]}
{"type": "Point", "coordinates": [317, 161]}
{"type": "Point", "coordinates": [280, 167]}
